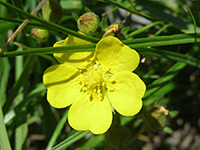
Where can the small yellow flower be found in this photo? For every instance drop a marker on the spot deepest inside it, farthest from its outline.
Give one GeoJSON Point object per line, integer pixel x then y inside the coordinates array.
{"type": "Point", "coordinates": [95, 83]}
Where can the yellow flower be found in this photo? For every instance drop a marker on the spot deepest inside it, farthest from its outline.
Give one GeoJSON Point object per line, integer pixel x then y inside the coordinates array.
{"type": "Point", "coordinates": [95, 84]}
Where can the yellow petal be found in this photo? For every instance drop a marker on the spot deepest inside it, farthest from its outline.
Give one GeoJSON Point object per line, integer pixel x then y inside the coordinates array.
{"type": "Point", "coordinates": [127, 95]}
{"type": "Point", "coordinates": [114, 55]}
{"type": "Point", "coordinates": [61, 43]}
{"type": "Point", "coordinates": [94, 115]}
{"type": "Point", "coordinates": [77, 59]}
{"type": "Point", "coordinates": [62, 86]}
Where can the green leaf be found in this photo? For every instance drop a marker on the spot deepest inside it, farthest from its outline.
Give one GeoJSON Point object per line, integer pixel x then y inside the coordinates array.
{"type": "Point", "coordinates": [92, 143]}
{"type": "Point", "coordinates": [57, 130]}
{"type": "Point", "coordinates": [19, 21]}
{"type": "Point", "coordinates": [141, 30]}
{"type": "Point", "coordinates": [21, 131]}
{"type": "Point", "coordinates": [187, 59]}
{"type": "Point", "coordinates": [4, 141]}
{"type": "Point", "coordinates": [167, 130]}
{"type": "Point", "coordinates": [157, 87]}
{"type": "Point", "coordinates": [173, 113]}
{"type": "Point", "coordinates": [4, 27]}
{"type": "Point", "coordinates": [50, 50]}
{"type": "Point", "coordinates": [70, 140]}
{"type": "Point", "coordinates": [71, 4]}
{"type": "Point", "coordinates": [50, 24]}
{"type": "Point", "coordinates": [28, 64]}
{"type": "Point", "coordinates": [163, 40]}
{"type": "Point", "coordinates": [123, 6]}
{"type": "Point", "coordinates": [13, 113]}
{"type": "Point", "coordinates": [4, 75]}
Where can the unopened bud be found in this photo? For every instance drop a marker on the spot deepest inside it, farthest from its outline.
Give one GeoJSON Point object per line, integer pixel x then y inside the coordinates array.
{"type": "Point", "coordinates": [88, 23]}
{"type": "Point", "coordinates": [112, 30]}
{"type": "Point", "coordinates": [41, 35]}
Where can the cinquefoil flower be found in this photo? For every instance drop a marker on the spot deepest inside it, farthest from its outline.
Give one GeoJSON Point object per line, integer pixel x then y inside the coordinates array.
{"type": "Point", "coordinates": [95, 84]}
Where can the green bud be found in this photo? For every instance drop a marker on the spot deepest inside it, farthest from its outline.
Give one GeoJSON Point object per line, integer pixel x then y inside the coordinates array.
{"type": "Point", "coordinates": [40, 35]}
{"type": "Point", "coordinates": [88, 23]}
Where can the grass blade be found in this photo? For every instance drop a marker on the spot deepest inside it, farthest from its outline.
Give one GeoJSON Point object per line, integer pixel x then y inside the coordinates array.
{"type": "Point", "coordinates": [128, 9]}
{"type": "Point", "coordinates": [4, 141]}
{"type": "Point", "coordinates": [75, 137]}
{"type": "Point", "coordinates": [57, 131]}
{"type": "Point", "coordinates": [28, 64]}
{"type": "Point", "coordinates": [135, 43]}
{"type": "Point", "coordinates": [50, 24]}
{"type": "Point", "coordinates": [141, 30]}
{"type": "Point", "coordinates": [187, 59]}
{"type": "Point", "coordinates": [160, 83]}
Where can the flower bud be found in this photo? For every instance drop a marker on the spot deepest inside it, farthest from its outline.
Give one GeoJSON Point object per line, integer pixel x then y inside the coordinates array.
{"type": "Point", "coordinates": [111, 30]}
{"type": "Point", "coordinates": [88, 23]}
{"type": "Point", "coordinates": [41, 35]}
{"type": "Point", "coordinates": [114, 30]}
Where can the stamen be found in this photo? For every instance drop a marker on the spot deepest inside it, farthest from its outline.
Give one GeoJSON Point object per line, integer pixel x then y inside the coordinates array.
{"type": "Point", "coordinates": [113, 82]}
{"type": "Point", "coordinates": [108, 69]}
{"type": "Point", "coordinates": [94, 81]}
{"type": "Point", "coordinates": [110, 89]}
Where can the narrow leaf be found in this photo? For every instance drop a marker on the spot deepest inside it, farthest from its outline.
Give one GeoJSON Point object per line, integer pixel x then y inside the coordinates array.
{"type": "Point", "coordinates": [70, 140]}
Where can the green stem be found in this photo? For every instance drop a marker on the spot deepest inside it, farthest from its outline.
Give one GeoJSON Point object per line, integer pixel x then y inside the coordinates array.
{"type": "Point", "coordinates": [51, 25]}
{"type": "Point", "coordinates": [128, 9]}
{"type": "Point", "coordinates": [193, 19]}
{"type": "Point", "coordinates": [64, 144]}
{"type": "Point", "coordinates": [19, 21]}
{"type": "Point", "coordinates": [144, 28]}
{"type": "Point", "coordinates": [164, 40]}
{"type": "Point", "coordinates": [50, 50]}
{"type": "Point", "coordinates": [23, 25]}
{"type": "Point", "coordinates": [57, 131]}
{"type": "Point", "coordinates": [162, 29]}
{"type": "Point", "coordinates": [135, 43]}
{"type": "Point", "coordinates": [187, 59]}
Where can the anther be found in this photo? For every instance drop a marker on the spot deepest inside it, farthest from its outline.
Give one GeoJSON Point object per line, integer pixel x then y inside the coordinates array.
{"type": "Point", "coordinates": [113, 82]}
{"type": "Point", "coordinates": [110, 89]}
{"type": "Point", "coordinates": [108, 69]}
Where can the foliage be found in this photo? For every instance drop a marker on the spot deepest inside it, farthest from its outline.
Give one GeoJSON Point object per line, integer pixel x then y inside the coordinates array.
{"type": "Point", "coordinates": [166, 34]}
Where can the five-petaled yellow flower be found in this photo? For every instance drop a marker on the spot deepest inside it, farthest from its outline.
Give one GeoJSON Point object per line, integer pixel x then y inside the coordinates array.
{"type": "Point", "coordinates": [95, 83]}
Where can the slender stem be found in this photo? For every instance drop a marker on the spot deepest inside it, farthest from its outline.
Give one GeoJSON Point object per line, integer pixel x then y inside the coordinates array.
{"type": "Point", "coordinates": [57, 131]}
{"type": "Point", "coordinates": [19, 21]}
{"type": "Point", "coordinates": [52, 25]}
{"type": "Point", "coordinates": [135, 43]}
{"type": "Point", "coordinates": [144, 28]}
{"type": "Point", "coordinates": [23, 25]}
{"type": "Point", "coordinates": [75, 137]}
{"type": "Point", "coordinates": [193, 19]}
{"type": "Point", "coordinates": [128, 9]}
{"type": "Point", "coordinates": [50, 50]}
{"type": "Point", "coordinates": [162, 29]}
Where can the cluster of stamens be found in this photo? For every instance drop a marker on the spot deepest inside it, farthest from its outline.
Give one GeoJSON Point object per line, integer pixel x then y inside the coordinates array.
{"type": "Point", "coordinates": [93, 81]}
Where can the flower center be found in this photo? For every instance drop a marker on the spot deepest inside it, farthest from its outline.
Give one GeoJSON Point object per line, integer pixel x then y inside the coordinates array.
{"type": "Point", "coordinates": [93, 81]}
{"type": "Point", "coordinates": [93, 77]}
